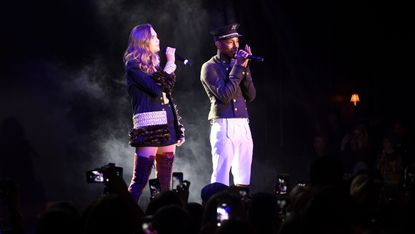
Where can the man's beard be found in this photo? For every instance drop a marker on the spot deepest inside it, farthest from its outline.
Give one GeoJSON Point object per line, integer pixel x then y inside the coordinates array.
{"type": "Point", "coordinates": [231, 54]}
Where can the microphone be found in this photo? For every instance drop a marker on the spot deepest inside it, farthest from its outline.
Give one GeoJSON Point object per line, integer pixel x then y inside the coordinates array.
{"type": "Point", "coordinates": [256, 58]}
{"type": "Point", "coordinates": [182, 59]}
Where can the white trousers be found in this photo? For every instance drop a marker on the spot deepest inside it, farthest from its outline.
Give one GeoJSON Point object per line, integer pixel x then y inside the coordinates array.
{"type": "Point", "coordinates": [232, 148]}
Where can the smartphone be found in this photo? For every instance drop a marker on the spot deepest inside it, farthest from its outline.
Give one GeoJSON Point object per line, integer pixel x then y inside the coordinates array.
{"type": "Point", "coordinates": [222, 213]}
{"type": "Point", "coordinates": [97, 176]}
{"type": "Point", "coordinates": [177, 180]}
{"type": "Point", "coordinates": [281, 185]}
{"type": "Point", "coordinates": [147, 224]}
{"type": "Point", "coordinates": [155, 189]}
{"type": "Point", "coordinates": [94, 176]}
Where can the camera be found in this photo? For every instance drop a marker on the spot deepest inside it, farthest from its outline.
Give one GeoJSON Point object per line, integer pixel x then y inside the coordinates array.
{"type": "Point", "coordinates": [155, 188]}
{"type": "Point", "coordinates": [97, 176]}
{"type": "Point", "coordinates": [222, 213]}
{"type": "Point", "coordinates": [177, 180]}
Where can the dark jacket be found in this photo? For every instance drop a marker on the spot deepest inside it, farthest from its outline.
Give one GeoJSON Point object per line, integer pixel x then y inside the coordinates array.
{"type": "Point", "coordinates": [146, 94]}
{"type": "Point", "coordinates": [229, 87]}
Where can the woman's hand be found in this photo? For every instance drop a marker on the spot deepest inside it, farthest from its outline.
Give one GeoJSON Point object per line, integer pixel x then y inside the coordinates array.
{"type": "Point", "coordinates": [170, 65]}
{"type": "Point", "coordinates": [170, 54]}
{"type": "Point", "coordinates": [180, 141]}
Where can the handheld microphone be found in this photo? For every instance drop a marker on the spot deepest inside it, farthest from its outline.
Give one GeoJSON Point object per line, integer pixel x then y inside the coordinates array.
{"type": "Point", "coordinates": [256, 58]}
{"type": "Point", "coordinates": [182, 59]}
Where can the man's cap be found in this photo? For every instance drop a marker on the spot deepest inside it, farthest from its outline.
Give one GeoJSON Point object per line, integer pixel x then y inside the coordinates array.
{"type": "Point", "coordinates": [211, 189]}
{"type": "Point", "coordinates": [225, 32]}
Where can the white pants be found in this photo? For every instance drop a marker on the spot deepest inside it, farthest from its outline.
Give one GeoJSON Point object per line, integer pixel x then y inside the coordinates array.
{"type": "Point", "coordinates": [232, 147]}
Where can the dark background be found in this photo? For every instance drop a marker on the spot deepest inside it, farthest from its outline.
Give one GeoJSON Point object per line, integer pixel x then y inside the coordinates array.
{"type": "Point", "coordinates": [64, 108]}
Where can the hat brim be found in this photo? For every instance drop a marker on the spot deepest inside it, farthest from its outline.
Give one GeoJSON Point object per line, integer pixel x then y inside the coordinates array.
{"type": "Point", "coordinates": [227, 36]}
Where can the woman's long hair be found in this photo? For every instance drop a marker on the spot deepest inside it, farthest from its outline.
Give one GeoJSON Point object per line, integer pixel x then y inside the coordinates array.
{"type": "Point", "coordinates": [139, 49]}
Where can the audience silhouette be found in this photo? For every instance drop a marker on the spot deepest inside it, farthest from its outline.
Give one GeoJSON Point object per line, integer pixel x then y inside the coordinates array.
{"type": "Point", "coordinates": [366, 186]}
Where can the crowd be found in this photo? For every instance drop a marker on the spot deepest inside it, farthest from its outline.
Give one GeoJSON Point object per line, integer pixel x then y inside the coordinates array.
{"type": "Point", "coordinates": [366, 184]}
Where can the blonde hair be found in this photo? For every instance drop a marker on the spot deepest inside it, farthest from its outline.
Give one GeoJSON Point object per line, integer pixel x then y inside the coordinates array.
{"type": "Point", "coordinates": [139, 49]}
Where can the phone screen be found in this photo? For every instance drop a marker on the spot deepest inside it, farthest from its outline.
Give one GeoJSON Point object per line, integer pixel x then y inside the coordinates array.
{"type": "Point", "coordinates": [177, 180]}
{"type": "Point", "coordinates": [154, 185]}
{"type": "Point", "coordinates": [222, 213]}
{"type": "Point", "coordinates": [147, 224]}
{"type": "Point", "coordinates": [281, 186]}
{"type": "Point", "coordinates": [94, 176]}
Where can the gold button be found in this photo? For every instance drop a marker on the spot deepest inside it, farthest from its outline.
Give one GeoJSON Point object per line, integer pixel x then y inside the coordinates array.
{"type": "Point", "coordinates": [236, 109]}
{"type": "Point", "coordinates": [247, 73]}
{"type": "Point", "coordinates": [243, 73]}
{"type": "Point", "coordinates": [234, 100]}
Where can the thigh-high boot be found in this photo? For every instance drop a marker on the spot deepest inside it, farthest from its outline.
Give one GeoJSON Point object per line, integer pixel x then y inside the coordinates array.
{"type": "Point", "coordinates": [141, 174]}
{"type": "Point", "coordinates": [164, 167]}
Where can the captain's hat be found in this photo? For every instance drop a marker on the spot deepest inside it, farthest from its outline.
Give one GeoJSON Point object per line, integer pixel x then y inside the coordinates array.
{"type": "Point", "coordinates": [225, 32]}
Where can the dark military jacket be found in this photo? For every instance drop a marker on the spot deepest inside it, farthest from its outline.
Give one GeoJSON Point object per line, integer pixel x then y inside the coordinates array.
{"type": "Point", "coordinates": [229, 87]}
